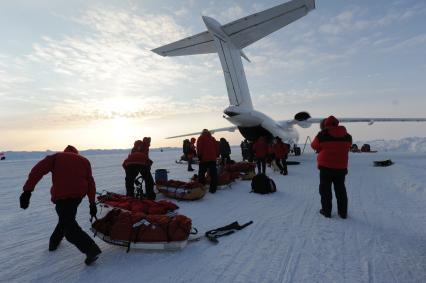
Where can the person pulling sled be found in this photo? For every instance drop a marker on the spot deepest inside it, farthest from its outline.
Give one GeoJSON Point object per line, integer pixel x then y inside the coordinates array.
{"type": "Point", "coordinates": [72, 181]}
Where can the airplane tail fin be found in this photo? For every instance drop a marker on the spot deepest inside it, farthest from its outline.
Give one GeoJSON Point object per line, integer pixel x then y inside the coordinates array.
{"type": "Point", "coordinates": [229, 40]}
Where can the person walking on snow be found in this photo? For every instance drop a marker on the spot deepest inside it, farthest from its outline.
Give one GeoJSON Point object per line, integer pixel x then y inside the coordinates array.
{"type": "Point", "coordinates": [72, 180]}
{"type": "Point", "coordinates": [332, 145]}
{"type": "Point", "coordinates": [280, 150]}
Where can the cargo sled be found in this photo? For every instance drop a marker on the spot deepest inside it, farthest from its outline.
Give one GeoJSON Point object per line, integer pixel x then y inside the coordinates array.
{"type": "Point", "coordinates": [181, 190]}
{"type": "Point", "coordinates": [141, 224]}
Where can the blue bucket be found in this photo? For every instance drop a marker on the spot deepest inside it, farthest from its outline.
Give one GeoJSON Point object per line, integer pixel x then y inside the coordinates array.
{"type": "Point", "coordinates": [161, 175]}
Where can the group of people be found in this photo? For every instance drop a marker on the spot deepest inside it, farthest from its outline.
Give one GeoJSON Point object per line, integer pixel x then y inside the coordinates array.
{"type": "Point", "coordinates": [265, 152]}
{"type": "Point", "coordinates": [72, 176]}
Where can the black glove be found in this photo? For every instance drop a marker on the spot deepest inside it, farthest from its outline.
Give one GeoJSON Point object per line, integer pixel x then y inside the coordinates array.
{"type": "Point", "coordinates": [93, 209]}
{"type": "Point", "coordinates": [24, 199]}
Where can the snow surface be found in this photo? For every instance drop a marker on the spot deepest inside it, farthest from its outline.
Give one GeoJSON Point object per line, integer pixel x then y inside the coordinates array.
{"type": "Point", "coordinates": [383, 240]}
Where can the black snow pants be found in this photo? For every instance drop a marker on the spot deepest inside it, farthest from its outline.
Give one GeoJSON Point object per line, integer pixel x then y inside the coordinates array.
{"type": "Point", "coordinates": [68, 227]}
{"type": "Point", "coordinates": [211, 167]}
{"type": "Point", "coordinates": [132, 171]}
{"type": "Point", "coordinates": [337, 178]}
{"type": "Point", "coordinates": [282, 164]}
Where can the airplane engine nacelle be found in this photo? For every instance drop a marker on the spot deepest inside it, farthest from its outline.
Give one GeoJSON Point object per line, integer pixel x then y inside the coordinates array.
{"type": "Point", "coordinates": [302, 118]}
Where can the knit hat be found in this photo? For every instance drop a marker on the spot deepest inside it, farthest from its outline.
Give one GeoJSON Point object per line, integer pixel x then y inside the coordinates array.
{"type": "Point", "coordinates": [71, 149]}
{"type": "Point", "coordinates": [331, 122]}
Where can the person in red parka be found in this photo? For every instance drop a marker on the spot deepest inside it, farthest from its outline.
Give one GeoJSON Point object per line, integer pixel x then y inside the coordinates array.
{"type": "Point", "coordinates": [332, 145]}
{"type": "Point", "coordinates": [281, 152]}
{"type": "Point", "coordinates": [72, 180]}
{"type": "Point", "coordinates": [146, 143]}
{"type": "Point", "coordinates": [207, 151]}
{"type": "Point", "coordinates": [139, 162]}
{"type": "Point", "coordinates": [260, 150]}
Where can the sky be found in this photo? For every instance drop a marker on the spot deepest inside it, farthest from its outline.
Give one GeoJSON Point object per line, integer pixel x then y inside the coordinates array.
{"type": "Point", "coordinates": [81, 72]}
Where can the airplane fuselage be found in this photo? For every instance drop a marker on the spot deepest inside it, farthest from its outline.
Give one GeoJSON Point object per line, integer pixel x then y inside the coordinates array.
{"type": "Point", "coordinates": [252, 124]}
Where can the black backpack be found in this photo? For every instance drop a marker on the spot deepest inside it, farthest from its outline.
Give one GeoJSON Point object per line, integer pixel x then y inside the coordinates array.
{"type": "Point", "coordinates": [186, 146]}
{"type": "Point", "coordinates": [262, 184]}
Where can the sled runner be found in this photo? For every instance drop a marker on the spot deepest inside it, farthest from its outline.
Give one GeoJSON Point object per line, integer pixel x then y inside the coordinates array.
{"type": "Point", "coordinates": [166, 246]}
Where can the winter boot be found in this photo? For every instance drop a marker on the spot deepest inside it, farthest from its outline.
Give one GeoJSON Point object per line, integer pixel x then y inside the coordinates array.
{"type": "Point", "coordinates": [53, 246]}
{"type": "Point", "coordinates": [92, 255]}
{"type": "Point", "coordinates": [326, 215]}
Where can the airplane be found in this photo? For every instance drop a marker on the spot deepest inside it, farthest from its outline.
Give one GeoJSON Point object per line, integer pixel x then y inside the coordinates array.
{"type": "Point", "coordinates": [228, 41]}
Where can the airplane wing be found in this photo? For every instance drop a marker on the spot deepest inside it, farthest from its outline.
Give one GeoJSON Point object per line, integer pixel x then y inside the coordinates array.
{"type": "Point", "coordinates": [201, 43]}
{"type": "Point", "coordinates": [226, 129]}
{"type": "Point", "coordinates": [248, 30]}
{"type": "Point", "coordinates": [370, 121]}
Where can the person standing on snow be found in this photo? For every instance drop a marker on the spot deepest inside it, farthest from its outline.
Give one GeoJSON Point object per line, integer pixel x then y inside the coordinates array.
{"type": "Point", "coordinates": [225, 151]}
{"type": "Point", "coordinates": [72, 180]}
{"type": "Point", "coordinates": [207, 151]}
{"type": "Point", "coordinates": [260, 150]}
{"type": "Point", "coordinates": [138, 162]}
{"type": "Point", "coordinates": [332, 145]}
{"type": "Point", "coordinates": [245, 150]}
{"type": "Point", "coordinates": [190, 154]}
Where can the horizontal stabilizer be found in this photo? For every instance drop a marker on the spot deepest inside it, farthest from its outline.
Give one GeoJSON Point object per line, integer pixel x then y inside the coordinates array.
{"type": "Point", "coordinates": [248, 30]}
{"type": "Point", "coordinates": [242, 32]}
{"type": "Point", "coordinates": [201, 43]}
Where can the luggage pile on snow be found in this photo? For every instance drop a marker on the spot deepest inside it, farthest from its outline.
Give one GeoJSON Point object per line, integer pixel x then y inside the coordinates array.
{"type": "Point", "coordinates": [181, 190]}
{"type": "Point", "coordinates": [143, 224]}
{"type": "Point", "coordinates": [136, 205]}
{"type": "Point", "coordinates": [230, 172]}
{"type": "Point", "coordinates": [245, 170]}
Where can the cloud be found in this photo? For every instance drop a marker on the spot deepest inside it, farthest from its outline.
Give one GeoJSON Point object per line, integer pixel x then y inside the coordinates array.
{"type": "Point", "coordinates": [112, 60]}
{"type": "Point", "coordinates": [357, 19]}
{"type": "Point", "coordinates": [407, 43]}
{"type": "Point", "coordinates": [232, 13]}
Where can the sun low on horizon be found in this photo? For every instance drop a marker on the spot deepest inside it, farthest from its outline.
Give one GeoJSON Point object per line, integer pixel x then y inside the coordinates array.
{"type": "Point", "coordinates": [83, 73]}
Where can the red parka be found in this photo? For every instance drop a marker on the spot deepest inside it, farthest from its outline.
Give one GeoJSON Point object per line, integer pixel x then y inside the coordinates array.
{"type": "Point", "coordinates": [260, 148]}
{"type": "Point", "coordinates": [332, 144]}
{"type": "Point", "coordinates": [146, 143]}
{"type": "Point", "coordinates": [71, 176]}
{"type": "Point", "coordinates": [138, 158]}
{"type": "Point", "coordinates": [280, 150]}
{"type": "Point", "coordinates": [207, 147]}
